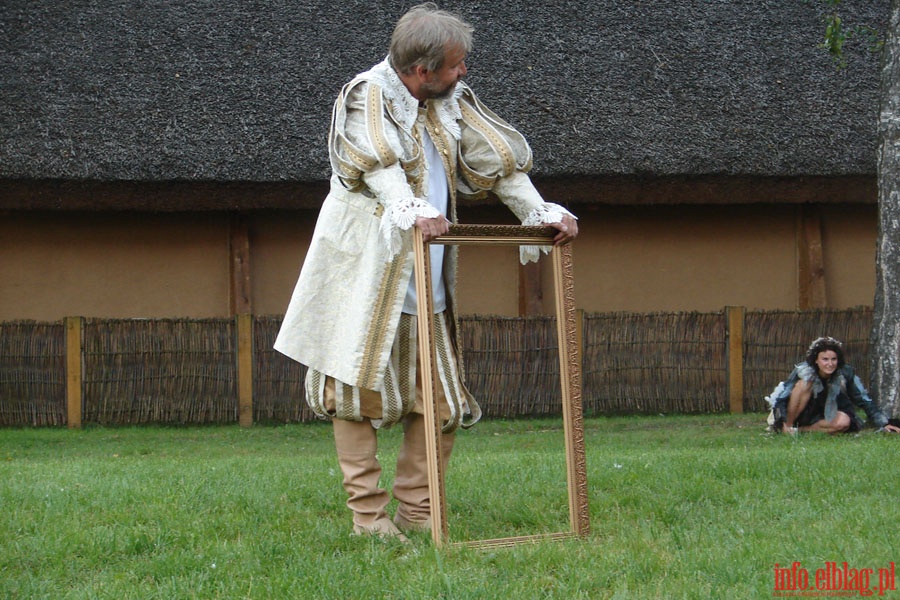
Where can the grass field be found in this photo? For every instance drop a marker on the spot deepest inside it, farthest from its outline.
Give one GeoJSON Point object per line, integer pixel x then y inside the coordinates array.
{"type": "Point", "coordinates": [681, 507]}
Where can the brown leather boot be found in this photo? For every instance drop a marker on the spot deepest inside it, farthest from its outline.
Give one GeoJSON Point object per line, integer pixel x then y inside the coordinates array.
{"type": "Point", "coordinates": [411, 480]}
{"type": "Point", "coordinates": [356, 444]}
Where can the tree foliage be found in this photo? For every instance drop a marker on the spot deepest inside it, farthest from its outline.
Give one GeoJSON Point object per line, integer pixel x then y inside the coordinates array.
{"type": "Point", "coordinates": [838, 34]}
{"type": "Point", "coordinates": [885, 345]}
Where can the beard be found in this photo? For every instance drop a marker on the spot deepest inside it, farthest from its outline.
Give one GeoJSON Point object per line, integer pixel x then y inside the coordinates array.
{"type": "Point", "coordinates": [436, 92]}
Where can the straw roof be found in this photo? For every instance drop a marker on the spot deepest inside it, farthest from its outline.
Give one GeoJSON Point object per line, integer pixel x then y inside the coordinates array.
{"type": "Point", "coordinates": [235, 91]}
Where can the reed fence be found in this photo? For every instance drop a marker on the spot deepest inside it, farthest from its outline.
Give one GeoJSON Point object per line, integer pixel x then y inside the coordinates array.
{"type": "Point", "coordinates": [512, 364]}
{"type": "Point", "coordinates": [32, 373]}
{"type": "Point", "coordinates": [279, 394]}
{"type": "Point", "coordinates": [159, 371]}
{"type": "Point", "coordinates": [654, 363]}
{"type": "Point", "coordinates": [197, 371]}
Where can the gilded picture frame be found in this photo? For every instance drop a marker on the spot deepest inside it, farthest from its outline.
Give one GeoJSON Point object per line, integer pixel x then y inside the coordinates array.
{"type": "Point", "coordinates": [570, 375]}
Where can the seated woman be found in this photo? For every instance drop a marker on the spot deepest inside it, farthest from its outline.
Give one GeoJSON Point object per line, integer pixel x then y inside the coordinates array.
{"type": "Point", "coordinates": [820, 394]}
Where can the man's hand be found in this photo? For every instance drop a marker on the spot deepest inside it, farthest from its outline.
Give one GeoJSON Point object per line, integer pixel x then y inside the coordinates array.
{"type": "Point", "coordinates": [568, 230]}
{"type": "Point", "coordinates": [891, 428]}
{"type": "Point", "coordinates": [434, 227]}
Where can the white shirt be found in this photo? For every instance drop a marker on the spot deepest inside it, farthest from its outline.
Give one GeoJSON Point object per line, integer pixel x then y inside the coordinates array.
{"type": "Point", "coordinates": [438, 197]}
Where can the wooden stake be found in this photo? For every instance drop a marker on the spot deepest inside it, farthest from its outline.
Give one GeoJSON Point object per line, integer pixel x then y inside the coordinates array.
{"type": "Point", "coordinates": [239, 250]}
{"type": "Point", "coordinates": [531, 293]}
{"type": "Point", "coordinates": [735, 322]}
{"type": "Point", "coordinates": [245, 369]}
{"type": "Point", "coordinates": [810, 260]}
{"type": "Point", "coordinates": [74, 376]}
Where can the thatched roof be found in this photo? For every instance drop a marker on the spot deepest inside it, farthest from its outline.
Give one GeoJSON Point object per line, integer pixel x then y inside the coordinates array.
{"type": "Point", "coordinates": [236, 91]}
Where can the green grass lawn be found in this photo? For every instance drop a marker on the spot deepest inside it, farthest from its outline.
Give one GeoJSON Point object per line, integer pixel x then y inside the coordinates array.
{"type": "Point", "coordinates": [681, 507]}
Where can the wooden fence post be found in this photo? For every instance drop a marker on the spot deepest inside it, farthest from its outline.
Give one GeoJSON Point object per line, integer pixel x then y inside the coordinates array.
{"type": "Point", "coordinates": [239, 250]}
{"type": "Point", "coordinates": [531, 295]}
{"type": "Point", "coordinates": [735, 334]}
{"type": "Point", "coordinates": [73, 372]}
{"type": "Point", "coordinates": [810, 260]}
{"type": "Point", "coordinates": [245, 368]}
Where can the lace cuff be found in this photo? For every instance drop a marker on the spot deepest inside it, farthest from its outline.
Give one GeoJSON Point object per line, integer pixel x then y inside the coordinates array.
{"type": "Point", "coordinates": [547, 213]}
{"type": "Point", "coordinates": [402, 216]}
{"type": "Point", "coordinates": [544, 214]}
{"type": "Point", "coordinates": [401, 208]}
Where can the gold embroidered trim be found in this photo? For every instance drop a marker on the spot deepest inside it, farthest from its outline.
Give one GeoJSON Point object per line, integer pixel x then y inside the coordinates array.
{"type": "Point", "coordinates": [349, 411]}
{"type": "Point", "coordinates": [377, 332]}
{"type": "Point", "coordinates": [498, 143]}
{"type": "Point", "coordinates": [438, 137]}
{"type": "Point", "coordinates": [375, 127]}
{"type": "Point", "coordinates": [446, 372]}
{"type": "Point", "coordinates": [314, 385]}
{"type": "Point", "coordinates": [391, 405]}
{"type": "Point", "coordinates": [359, 161]}
{"type": "Point", "coordinates": [475, 178]}
{"type": "Point", "coordinates": [406, 361]}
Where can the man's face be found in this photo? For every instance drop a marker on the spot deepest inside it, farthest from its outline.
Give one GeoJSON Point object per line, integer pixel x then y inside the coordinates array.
{"type": "Point", "coordinates": [827, 362]}
{"type": "Point", "coordinates": [442, 82]}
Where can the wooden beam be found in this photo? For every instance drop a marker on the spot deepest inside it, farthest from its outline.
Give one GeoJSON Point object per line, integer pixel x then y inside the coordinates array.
{"type": "Point", "coordinates": [734, 316]}
{"type": "Point", "coordinates": [239, 251]}
{"type": "Point", "coordinates": [531, 291]}
{"type": "Point", "coordinates": [245, 369]}
{"type": "Point", "coordinates": [73, 372]}
{"type": "Point", "coordinates": [810, 259]}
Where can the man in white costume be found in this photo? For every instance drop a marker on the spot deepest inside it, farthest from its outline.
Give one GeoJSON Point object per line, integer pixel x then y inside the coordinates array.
{"type": "Point", "coordinates": [407, 138]}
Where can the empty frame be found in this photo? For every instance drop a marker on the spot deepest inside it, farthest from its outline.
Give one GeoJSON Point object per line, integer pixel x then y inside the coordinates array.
{"type": "Point", "coordinates": [569, 371]}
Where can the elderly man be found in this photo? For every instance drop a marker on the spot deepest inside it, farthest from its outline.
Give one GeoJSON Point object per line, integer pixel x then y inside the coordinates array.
{"type": "Point", "coordinates": [407, 139]}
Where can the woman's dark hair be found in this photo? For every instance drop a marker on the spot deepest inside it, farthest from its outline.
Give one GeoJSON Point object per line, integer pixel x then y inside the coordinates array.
{"type": "Point", "coordinates": [822, 344]}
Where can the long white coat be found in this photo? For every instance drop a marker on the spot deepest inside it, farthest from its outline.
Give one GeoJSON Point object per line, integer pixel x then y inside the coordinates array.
{"type": "Point", "coordinates": [343, 314]}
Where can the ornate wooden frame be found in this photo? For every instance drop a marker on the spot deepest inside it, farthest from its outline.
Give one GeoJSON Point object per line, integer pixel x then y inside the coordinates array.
{"type": "Point", "coordinates": [569, 364]}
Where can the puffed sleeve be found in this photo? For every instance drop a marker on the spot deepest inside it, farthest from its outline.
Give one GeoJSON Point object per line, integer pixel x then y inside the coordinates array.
{"type": "Point", "coordinates": [495, 157]}
{"type": "Point", "coordinates": [366, 151]}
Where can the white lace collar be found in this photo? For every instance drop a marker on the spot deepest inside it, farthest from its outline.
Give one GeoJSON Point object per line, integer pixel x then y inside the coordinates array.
{"type": "Point", "coordinates": [405, 108]}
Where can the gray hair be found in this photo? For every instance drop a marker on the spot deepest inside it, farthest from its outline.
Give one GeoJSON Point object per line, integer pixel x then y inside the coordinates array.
{"type": "Point", "coordinates": [422, 36]}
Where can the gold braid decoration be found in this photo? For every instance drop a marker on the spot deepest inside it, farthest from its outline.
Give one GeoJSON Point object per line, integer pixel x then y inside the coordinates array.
{"type": "Point", "coordinates": [375, 127]}
{"type": "Point", "coordinates": [377, 330]}
{"type": "Point", "coordinates": [498, 143]}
